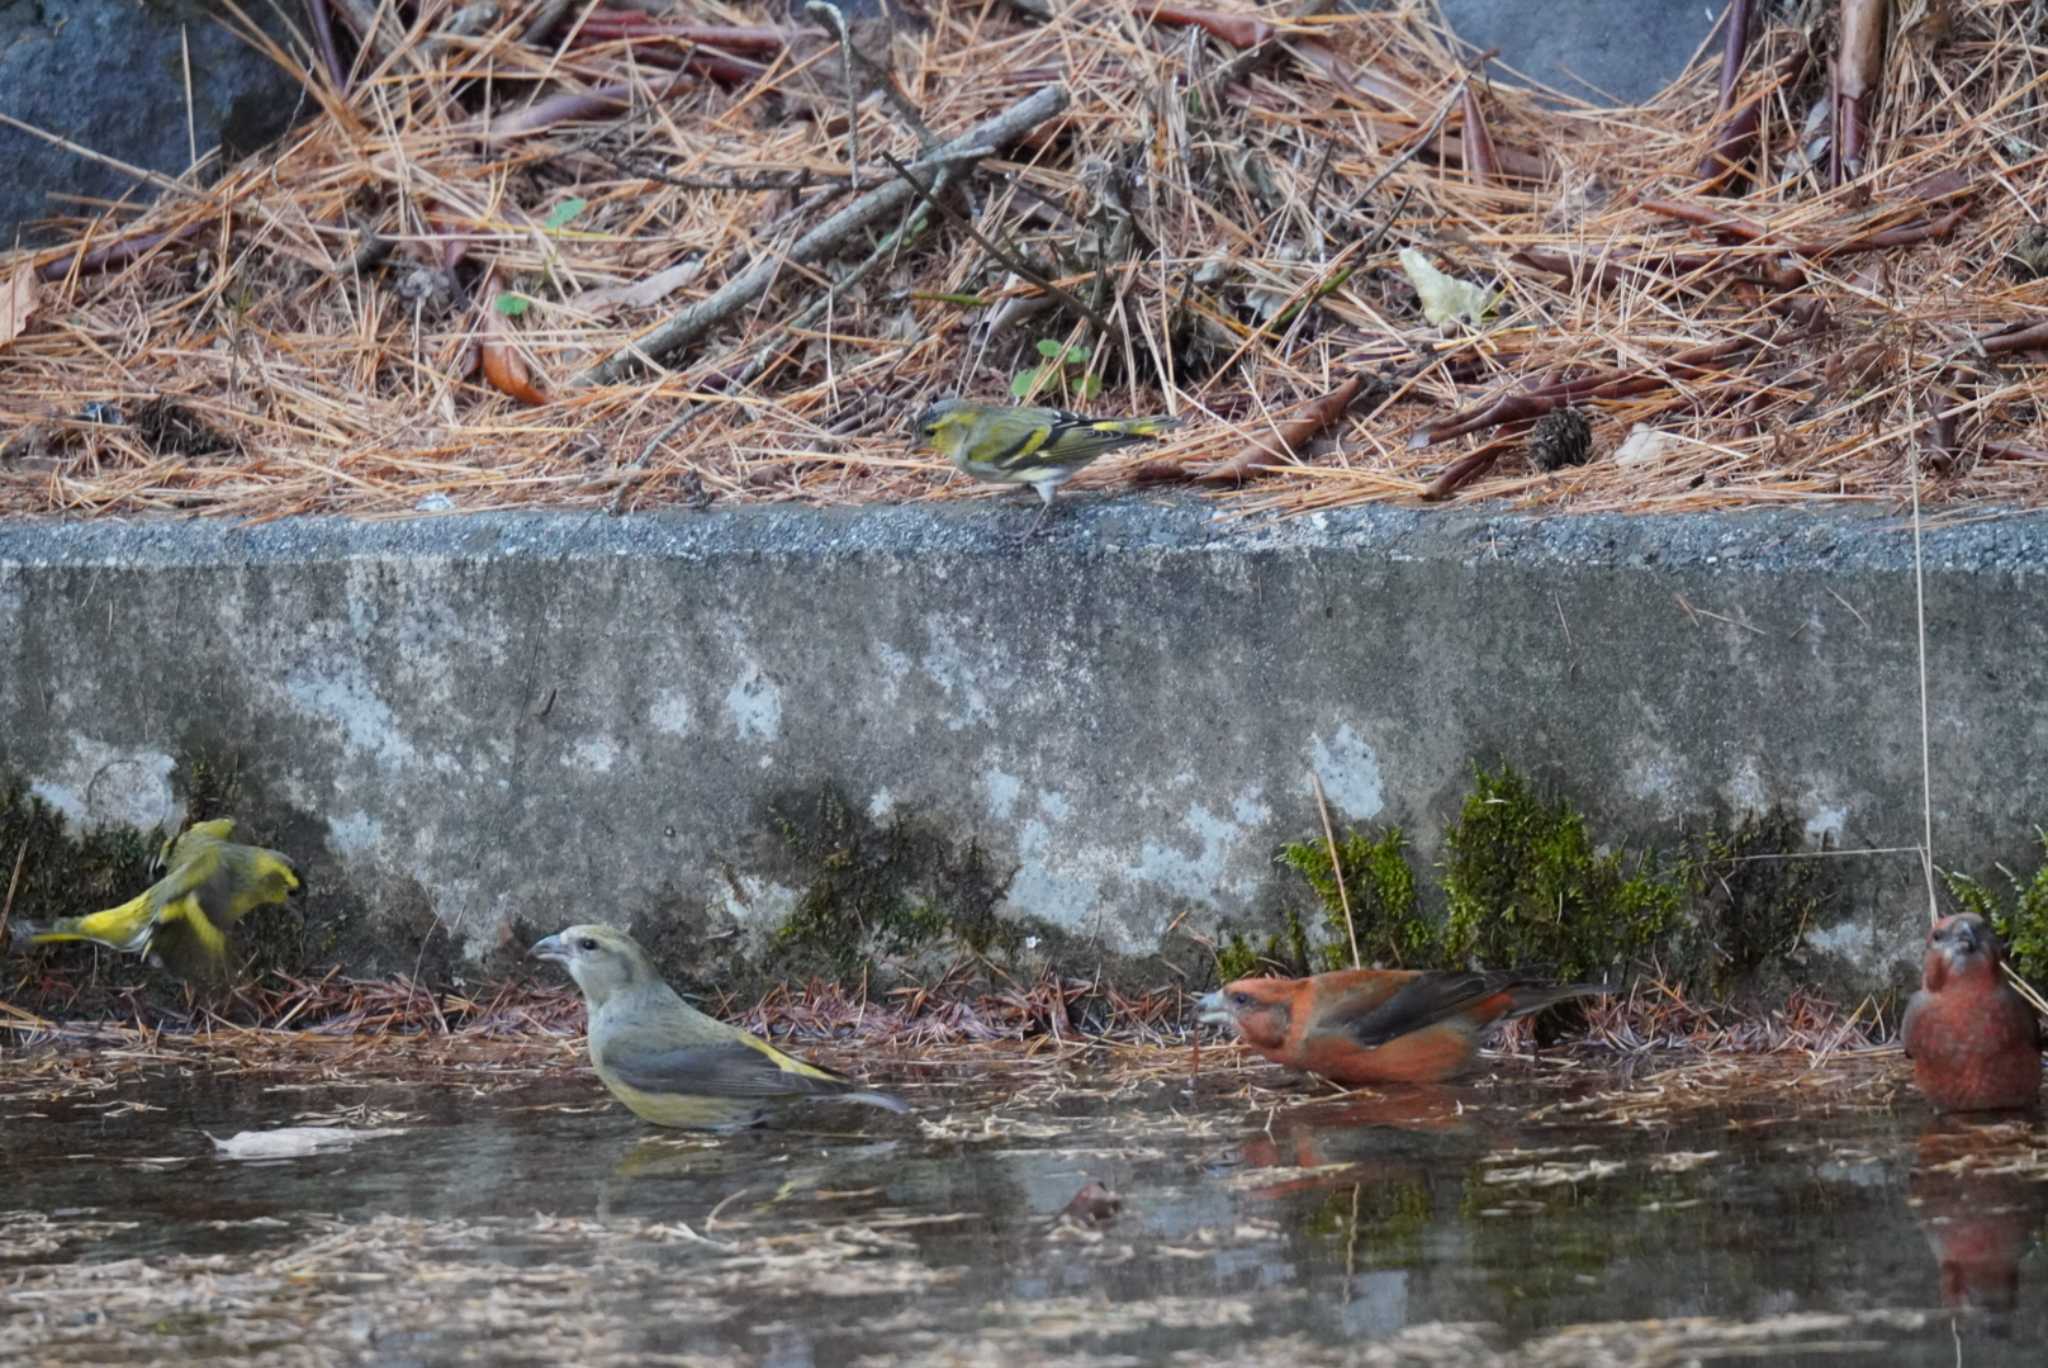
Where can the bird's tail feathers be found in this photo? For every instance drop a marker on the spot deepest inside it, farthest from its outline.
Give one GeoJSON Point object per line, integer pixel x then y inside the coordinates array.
{"type": "Point", "coordinates": [127, 927]}
{"type": "Point", "coordinates": [1534, 997]}
{"type": "Point", "coordinates": [1149, 427]}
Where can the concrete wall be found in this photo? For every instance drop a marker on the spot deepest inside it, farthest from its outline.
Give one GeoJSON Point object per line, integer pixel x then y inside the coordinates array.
{"type": "Point", "coordinates": [541, 718]}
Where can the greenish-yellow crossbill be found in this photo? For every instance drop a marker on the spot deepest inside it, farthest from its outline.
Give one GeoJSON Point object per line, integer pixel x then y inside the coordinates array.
{"type": "Point", "coordinates": [1026, 444]}
{"type": "Point", "coordinates": [207, 884]}
{"type": "Point", "coordinates": [668, 1062]}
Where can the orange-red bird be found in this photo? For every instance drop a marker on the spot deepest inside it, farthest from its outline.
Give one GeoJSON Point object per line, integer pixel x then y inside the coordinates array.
{"type": "Point", "coordinates": [1379, 1025]}
{"type": "Point", "coordinates": [1974, 1042]}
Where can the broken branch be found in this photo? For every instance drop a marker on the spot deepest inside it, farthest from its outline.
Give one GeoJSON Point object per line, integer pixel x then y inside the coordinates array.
{"type": "Point", "coordinates": [692, 323]}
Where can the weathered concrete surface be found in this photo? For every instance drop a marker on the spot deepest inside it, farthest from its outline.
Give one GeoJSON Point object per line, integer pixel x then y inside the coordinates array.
{"type": "Point", "coordinates": [1605, 51]}
{"type": "Point", "coordinates": [537, 718]}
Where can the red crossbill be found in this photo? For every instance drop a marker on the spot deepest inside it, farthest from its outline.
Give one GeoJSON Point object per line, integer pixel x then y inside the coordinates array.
{"type": "Point", "coordinates": [1974, 1042]}
{"type": "Point", "coordinates": [1379, 1025]}
{"type": "Point", "coordinates": [668, 1062]}
{"type": "Point", "coordinates": [208, 884]}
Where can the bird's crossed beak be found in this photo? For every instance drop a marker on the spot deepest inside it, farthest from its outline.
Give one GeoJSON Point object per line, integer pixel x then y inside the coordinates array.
{"type": "Point", "coordinates": [1213, 1009]}
{"type": "Point", "coordinates": [551, 948]}
{"type": "Point", "coordinates": [1959, 937]}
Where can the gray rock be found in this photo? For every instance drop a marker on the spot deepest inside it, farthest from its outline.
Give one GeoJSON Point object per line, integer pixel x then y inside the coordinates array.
{"type": "Point", "coordinates": [110, 75]}
{"type": "Point", "coordinates": [1607, 51]}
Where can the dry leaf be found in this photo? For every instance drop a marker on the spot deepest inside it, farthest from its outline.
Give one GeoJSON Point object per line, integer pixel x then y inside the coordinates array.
{"type": "Point", "coordinates": [641, 293]}
{"type": "Point", "coordinates": [502, 365]}
{"type": "Point", "coordinates": [290, 1142]}
{"type": "Point", "coordinates": [1444, 297]}
{"type": "Point", "coordinates": [1645, 444]}
{"type": "Point", "coordinates": [17, 302]}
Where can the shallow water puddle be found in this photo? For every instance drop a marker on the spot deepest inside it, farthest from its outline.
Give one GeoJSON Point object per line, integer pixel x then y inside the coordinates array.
{"type": "Point", "coordinates": [1569, 1214]}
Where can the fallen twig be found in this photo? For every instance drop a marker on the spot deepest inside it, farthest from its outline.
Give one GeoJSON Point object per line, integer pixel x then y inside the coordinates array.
{"type": "Point", "coordinates": [1532, 404]}
{"type": "Point", "coordinates": [693, 322]}
{"type": "Point", "coordinates": [1315, 418]}
{"type": "Point", "coordinates": [1859, 68]}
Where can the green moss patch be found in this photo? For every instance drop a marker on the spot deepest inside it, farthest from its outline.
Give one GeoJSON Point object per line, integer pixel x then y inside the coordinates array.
{"type": "Point", "coordinates": [1525, 886]}
{"type": "Point", "coordinates": [1523, 883]}
{"type": "Point", "coordinates": [877, 893]}
{"type": "Point", "coordinates": [2017, 907]}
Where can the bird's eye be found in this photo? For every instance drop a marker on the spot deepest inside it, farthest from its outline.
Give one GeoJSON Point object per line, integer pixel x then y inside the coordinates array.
{"type": "Point", "coordinates": [1241, 999]}
{"type": "Point", "coordinates": [587, 943]}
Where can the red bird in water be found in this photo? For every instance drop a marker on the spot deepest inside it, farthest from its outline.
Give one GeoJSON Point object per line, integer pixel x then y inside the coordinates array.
{"type": "Point", "coordinates": [1379, 1025]}
{"type": "Point", "coordinates": [1974, 1042]}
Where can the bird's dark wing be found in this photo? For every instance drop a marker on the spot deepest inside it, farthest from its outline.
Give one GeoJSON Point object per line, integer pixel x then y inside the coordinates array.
{"type": "Point", "coordinates": [1421, 1002]}
{"type": "Point", "coordinates": [729, 1069]}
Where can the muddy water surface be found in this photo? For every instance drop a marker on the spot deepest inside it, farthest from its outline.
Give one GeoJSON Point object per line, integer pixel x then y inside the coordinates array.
{"type": "Point", "coordinates": [1568, 1213]}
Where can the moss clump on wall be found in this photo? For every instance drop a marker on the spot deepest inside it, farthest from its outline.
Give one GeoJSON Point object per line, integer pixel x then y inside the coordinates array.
{"type": "Point", "coordinates": [2019, 915]}
{"type": "Point", "coordinates": [1285, 951]}
{"type": "Point", "coordinates": [1524, 886]}
{"type": "Point", "coordinates": [1753, 895]}
{"type": "Point", "coordinates": [1386, 909]}
{"type": "Point", "coordinates": [879, 891]}
{"type": "Point", "coordinates": [54, 873]}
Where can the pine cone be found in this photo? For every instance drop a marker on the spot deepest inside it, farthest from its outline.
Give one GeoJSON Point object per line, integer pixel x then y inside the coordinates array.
{"type": "Point", "coordinates": [1561, 437]}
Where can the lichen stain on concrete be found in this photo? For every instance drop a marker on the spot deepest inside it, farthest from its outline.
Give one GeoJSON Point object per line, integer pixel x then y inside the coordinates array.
{"type": "Point", "coordinates": [336, 689]}
{"type": "Point", "coordinates": [1350, 771]}
{"type": "Point", "coordinates": [1652, 774]}
{"type": "Point", "coordinates": [102, 785]}
{"type": "Point", "coordinates": [754, 705]}
{"type": "Point", "coordinates": [595, 754]}
{"type": "Point", "coordinates": [760, 904]}
{"type": "Point", "coordinates": [1746, 790]}
{"type": "Point", "coordinates": [1857, 943]}
{"type": "Point", "coordinates": [1827, 823]}
{"type": "Point", "coordinates": [1210, 870]}
{"type": "Point", "coordinates": [1060, 878]}
{"type": "Point", "coordinates": [957, 671]}
{"type": "Point", "coordinates": [1002, 790]}
{"type": "Point", "coordinates": [670, 713]}
{"type": "Point", "coordinates": [355, 834]}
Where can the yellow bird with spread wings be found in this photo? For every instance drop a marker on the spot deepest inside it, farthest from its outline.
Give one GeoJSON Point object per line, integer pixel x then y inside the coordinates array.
{"type": "Point", "coordinates": [207, 883]}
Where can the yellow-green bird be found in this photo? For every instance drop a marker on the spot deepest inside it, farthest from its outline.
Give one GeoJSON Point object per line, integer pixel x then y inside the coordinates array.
{"type": "Point", "coordinates": [207, 884]}
{"type": "Point", "coordinates": [1041, 447]}
{"type": "Point", "coordinates": [668, 1062]}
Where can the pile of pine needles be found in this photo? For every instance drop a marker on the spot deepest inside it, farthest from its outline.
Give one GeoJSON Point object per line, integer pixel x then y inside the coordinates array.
{"type": "Point", "coordinates": [576, 256]}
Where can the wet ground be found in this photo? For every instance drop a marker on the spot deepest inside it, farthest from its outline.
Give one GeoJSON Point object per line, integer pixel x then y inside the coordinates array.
{"type": "Point", "coordinates": [1569, 1213]}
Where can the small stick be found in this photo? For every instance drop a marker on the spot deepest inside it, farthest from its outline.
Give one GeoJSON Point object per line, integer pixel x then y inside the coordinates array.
{"type": "Point", "coordinates": [1510, 408]}
{"type": "Point", "coordinates": [1481, 161]}
{"type": "Point", "coordinates": [829, 18]}
{"type": "Point", "coordinates": [113, 254]}
{"type": "Point", "coordinates": [1319, 415]}
{"type": "Point", "coordinates": [1859, 67]}
{"type": "Point", "coordinates": [323, 38]}
{"type": "Point", "coordinates": [699, 318]}
{"type": "Point", "coordinates": [1002, 254]}
{"type": "Point", "coordinates": [1734, 47]}
{"type": "Point", "coordinates": [147, 177]}
{"type": "Point", "coordinates": [1738, 136]}
{"type": "Point", "coordinates": [545, 21]}
{"type": "Point", "coordinates": [13, 882]}
{"type": "Point", "coordinates": [1336, 868]}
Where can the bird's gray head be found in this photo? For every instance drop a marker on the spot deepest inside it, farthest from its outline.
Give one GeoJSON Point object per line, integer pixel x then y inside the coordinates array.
{"type": "Point", "coordinates": [925, 427]}
{"type": "Point", "coordinates": [1965, 940]}
{"type": "Point", "coordinates": [602, 959]}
